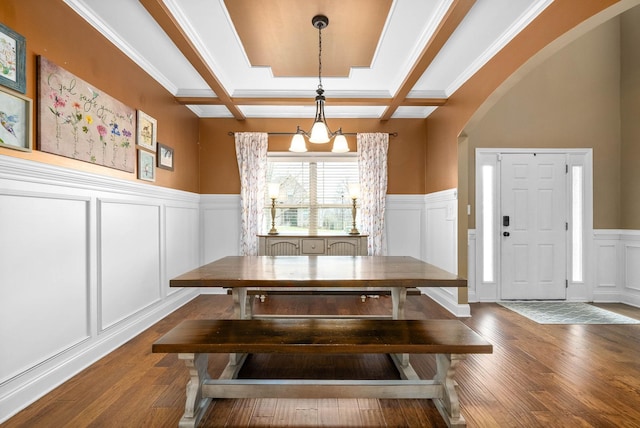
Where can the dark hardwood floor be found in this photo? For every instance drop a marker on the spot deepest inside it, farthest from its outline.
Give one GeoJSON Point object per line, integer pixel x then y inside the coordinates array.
{"type": "Point", "coordinates": [538, 376]}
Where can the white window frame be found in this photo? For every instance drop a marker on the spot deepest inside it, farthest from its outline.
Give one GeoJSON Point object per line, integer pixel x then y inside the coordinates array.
{"type": "Point", "coordinates": [312, 157]}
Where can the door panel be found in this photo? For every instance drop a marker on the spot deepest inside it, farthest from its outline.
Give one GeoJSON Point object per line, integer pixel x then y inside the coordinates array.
{"type": "Point", "coordinates": [533, 245]}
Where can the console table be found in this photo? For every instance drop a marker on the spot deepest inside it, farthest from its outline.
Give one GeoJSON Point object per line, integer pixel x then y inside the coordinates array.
{"type": "Point", "coordinates": [312, 245]}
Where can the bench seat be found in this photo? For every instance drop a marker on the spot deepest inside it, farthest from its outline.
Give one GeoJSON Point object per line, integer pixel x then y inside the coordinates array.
{"type": "Point", "coordinates": [449, 340]}
{"type": "Point", "coordinates": [330, 336]}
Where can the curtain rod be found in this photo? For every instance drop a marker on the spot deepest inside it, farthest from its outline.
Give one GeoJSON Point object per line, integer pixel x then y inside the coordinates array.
{"type": "Point", "coordinates": [231, 133]}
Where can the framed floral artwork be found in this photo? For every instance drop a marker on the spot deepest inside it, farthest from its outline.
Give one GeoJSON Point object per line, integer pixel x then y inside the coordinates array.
{"type": "Point", "coordinates": [147, 131]}
{"type": "Point", "coordinates": [12, 60]}
{"type": "Point", "coordinates": [15, 118]}
{"type": "Point", "coordinates": [79, 121]}
{"type": "Point", "coordinates": [165, 157]}
{"type": "Point", "coordinates": [146, 165]}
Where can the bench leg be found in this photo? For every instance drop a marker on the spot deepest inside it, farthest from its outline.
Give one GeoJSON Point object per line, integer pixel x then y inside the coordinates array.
{"type": "Point", "coordinates": [448, 405]}
{"type": "Point", "coordinates": [196, 405]}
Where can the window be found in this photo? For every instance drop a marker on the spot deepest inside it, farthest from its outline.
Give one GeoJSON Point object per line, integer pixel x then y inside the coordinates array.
{"type": "Point", "coordinates": [487, 223]}
{"type": "Point", "coordinates": [314, 193]}
{"type": "Point", "coordinates": [576, 223]}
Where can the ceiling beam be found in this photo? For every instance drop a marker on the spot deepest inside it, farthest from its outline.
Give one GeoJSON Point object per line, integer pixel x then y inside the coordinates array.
{"type": "Point", "coordinates": [420, 102]}
{"type": "Point", "coordinates": [168, 23]}
{"type": "Point", "coordinates": [454, 16]}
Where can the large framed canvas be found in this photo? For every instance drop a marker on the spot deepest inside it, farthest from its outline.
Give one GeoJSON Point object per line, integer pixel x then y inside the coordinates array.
{"type": "Point", "coordinates": [15, 117]}
{"type": "Point", "coordinates": [77, 120]}
{"type": "Point", "coordinates": [12, 60]}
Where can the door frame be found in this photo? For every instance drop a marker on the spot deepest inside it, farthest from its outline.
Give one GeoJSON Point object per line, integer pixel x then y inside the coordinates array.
{"type": "Point", "coordinates": [488, 272]}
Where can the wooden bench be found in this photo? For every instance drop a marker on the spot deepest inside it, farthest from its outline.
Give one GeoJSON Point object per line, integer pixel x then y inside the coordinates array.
{"type": "Point", "coordinates": [450, 340]}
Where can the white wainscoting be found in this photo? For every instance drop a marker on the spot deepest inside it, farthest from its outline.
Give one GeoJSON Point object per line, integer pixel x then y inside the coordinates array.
{"type": "Point", "coordinates": [84, 267]}
{"type": "Point", "coordinates": [617, 266]}
{"type": "Point", "coordinates": [613, 274]}
{"type": "Point", "coordinates": [441, 244]}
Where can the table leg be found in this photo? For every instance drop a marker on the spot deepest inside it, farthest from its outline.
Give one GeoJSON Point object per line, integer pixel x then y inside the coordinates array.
{"type": "Point", "coordinates": [240, 308]}
{"type": "Point", "coordinates": [196, 405]}
{"type": "Point", "coordinates": [398, 299]}
{"type": "Point", "coordinates": [448, 405]}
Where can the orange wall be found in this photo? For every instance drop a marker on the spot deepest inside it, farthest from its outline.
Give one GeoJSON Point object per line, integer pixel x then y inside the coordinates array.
{"type": "Point", "coordinates": [219, 168]}
{"type": "Point", "coordinates": [54, 30]}
{"type": "Point", "coordinates": [446, 123]}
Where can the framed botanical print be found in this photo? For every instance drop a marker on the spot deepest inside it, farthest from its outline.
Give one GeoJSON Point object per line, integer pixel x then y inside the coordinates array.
{"type": "Point", "coordinates": [146, 165]}
{"type": "Point", "coordinates": [147, 131]}
{"type": "Point", "coordinates": [15, 118]}
{"type": "Point", "coordinates": [12, 60]}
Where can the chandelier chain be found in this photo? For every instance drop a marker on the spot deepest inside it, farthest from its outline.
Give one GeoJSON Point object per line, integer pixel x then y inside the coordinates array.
{"type": "Point", "coordinates": [320, 56]}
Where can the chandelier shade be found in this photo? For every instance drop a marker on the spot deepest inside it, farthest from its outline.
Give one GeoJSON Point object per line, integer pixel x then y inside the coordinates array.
{"type": "Point", "coordinates": [320, 132]}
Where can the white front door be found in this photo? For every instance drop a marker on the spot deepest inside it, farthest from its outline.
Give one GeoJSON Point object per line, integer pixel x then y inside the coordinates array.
{"type": "Point", "coordinates": [533, 226]}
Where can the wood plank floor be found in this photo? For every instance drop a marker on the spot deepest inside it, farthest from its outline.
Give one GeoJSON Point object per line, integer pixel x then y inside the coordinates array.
{"type": "Point", "coordinates": [538, 376]}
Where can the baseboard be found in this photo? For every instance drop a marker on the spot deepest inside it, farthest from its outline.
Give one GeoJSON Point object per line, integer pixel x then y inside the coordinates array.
{"type": "Point", "coordinates": [30, 390]}
{"type": "Point", "coordinates": [447, 301]}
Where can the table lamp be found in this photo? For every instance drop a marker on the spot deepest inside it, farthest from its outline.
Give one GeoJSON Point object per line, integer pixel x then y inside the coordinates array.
{"type": "Point", "coordinates": [354, 193]}
{"type": "Point", "coordinates": [274, 191]}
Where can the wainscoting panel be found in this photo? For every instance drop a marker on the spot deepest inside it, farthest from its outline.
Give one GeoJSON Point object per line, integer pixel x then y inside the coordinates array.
{"type": "Point", "coordinates": [129, 264]}
{"type": "Point", "coordinates": [404, 224]}
{"type": "Point", "coordinates": [182, 242]}
{"type": "Point", "coordinates": [632, 267]}
{"type": "Point", "coordinates": [80, 252]}
{"type": "Point", "coordinates": [43, 278]}
{"type": "Point", "coordinates": [220, 226]}
{"type": "Point", "coordinates": [441, 244]}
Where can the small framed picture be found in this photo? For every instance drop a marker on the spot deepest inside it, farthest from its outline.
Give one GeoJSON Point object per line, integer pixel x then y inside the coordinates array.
{"type": "Point", "coordinates": [15, 118]}
{"type": "Point", "coordinates": [146, 165]}
{"type": "Point", "coordinates": [147, 131]}
{"type": "Point", "coordinates": [12, 60]}
{"type": "Point", "coordinates": [165, 157]}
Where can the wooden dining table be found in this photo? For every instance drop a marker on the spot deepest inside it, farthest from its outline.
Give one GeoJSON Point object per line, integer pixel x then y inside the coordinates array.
{"type": "Point", "coordinates": [395, 274]}
{"type": "Point", "coordinates": [194, 339]}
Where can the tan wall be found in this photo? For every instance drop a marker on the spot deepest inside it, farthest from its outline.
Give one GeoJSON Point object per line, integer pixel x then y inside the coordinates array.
{"type": "Point", "coordinates": [219, 168]}
{"type": "Point", "coordinates": [54, 30]}
{"type": "Point", "coordinates": [572, 100]}
{"type": "Point", "coordinates": [446, 123]}
{"type": "Point", "coordinates": [630, 111]}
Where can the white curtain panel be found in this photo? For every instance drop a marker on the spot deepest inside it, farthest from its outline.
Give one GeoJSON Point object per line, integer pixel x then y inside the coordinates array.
{"type": "Point", "coordinates": [372, 167]}
{"type": "Point", "coordinates": [251, 152]}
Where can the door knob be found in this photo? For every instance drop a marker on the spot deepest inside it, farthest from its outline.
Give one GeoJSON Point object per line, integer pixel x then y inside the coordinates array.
{"type": "Point", "coordinates": [505, 234]}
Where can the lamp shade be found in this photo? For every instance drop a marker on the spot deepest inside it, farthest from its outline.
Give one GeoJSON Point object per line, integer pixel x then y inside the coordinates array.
{"type": "Point", "coordinates": [297, 144]}
{"type": "Point", "coordinates": [274, 190]}
{"type": "Point", "coordinates": [340, 144]}
{"type": "Point", "coordinates": [319, 133]}
{"type": "Point", "coordinates": [354, 190]}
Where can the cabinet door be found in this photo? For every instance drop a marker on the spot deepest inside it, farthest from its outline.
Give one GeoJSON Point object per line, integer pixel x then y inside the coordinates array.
{"type": "Point", "coordinates": [343, 247]}
{"type": "Point", "coordinates": [282, 247]}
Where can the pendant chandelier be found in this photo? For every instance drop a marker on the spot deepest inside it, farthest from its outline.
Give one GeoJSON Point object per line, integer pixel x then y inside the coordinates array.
{"type": "Point", "coordinates": [320, 132]}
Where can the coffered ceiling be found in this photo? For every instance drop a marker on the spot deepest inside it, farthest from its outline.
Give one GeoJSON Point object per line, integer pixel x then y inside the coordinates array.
{"type": "Point", "coordinates": [259, 58]}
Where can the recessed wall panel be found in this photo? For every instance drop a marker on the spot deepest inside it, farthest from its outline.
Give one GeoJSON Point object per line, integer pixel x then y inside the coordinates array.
{"type": "Point", "coordinates": [632, 262]}
{"type": "Point", "coordinates": [129, 266]}
{"type": "Point", "coordinates": [403, 240]}
{"type": "Point", "coordinates": [43, 279]}
{"type": "Point", "coordinates": [182, 241]}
